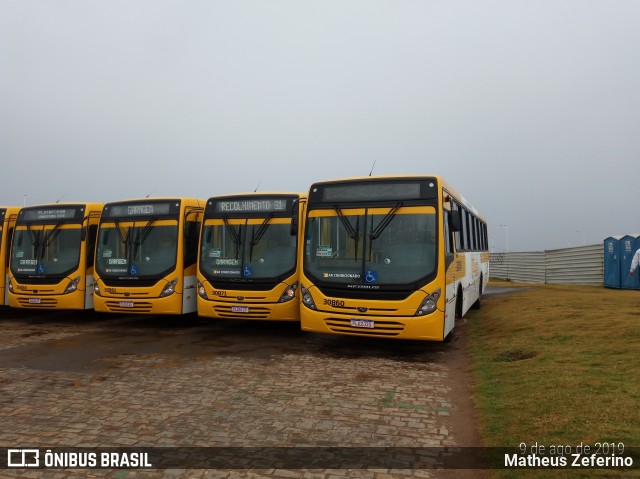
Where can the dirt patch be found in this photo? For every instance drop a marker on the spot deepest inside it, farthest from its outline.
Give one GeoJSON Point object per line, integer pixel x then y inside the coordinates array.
{"type": "Point", "coordinates": [464, 422]}
{"type": "Point", "coordinates": [515, 355]}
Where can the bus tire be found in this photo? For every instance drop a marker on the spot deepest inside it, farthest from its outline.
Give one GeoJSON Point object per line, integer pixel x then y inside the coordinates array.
{"type": "Point", "coordinates": [459, 303]}
{"type": "Point", "coordinates": [478, 302]}
{"type": "Point", "coordinates": [450, 338]}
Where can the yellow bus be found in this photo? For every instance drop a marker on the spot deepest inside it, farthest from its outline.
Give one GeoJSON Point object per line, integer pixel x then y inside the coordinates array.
{"type": "Point", "coordinates": [8, 215]}
{"type": "Point", "coordinates": [146, 256]}
{"type": "Point", "coordinates": [248, 265]}
{"type": "Point", "coordinates": [392, 257]}
{"type": "Point", "coordinates": [52, 253]}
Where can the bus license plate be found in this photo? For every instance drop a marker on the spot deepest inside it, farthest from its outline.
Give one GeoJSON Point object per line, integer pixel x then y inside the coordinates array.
{"type": "Point", "coordinates": [362, 323]}
{"type": "Point", "coordinates": [35, 300]}
{"type": "Point", "coordinates": [126, 304]}
{"type": "Point", "coordinates": [239, 309]}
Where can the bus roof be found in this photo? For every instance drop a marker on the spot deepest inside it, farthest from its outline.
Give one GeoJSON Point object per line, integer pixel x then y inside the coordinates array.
{"type": "Point", "coordinates": [260, 193]}
{"type": "Point", "coordinates": [67, 204]}
{"type": "Point", "coordinates": [157, 198]}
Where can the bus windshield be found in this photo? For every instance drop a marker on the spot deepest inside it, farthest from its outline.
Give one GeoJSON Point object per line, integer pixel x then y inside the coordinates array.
{"type": "Point", "coordinates": [141, 249]}
{"type": "Point", "coordinates": [248, 250]}
{"type": "Point", "coordinates": [372, 246]}
{"type": "Point", "coordinates": [45, 250]}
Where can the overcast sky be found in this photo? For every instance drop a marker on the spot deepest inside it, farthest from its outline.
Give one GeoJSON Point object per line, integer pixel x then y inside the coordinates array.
{"type": "Point", "coordinates": [531, 108]}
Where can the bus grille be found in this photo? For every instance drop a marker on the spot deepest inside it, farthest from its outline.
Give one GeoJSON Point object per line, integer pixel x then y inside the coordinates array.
{"type": "Point", "coordinates": [138, 307]}
{"type": "Point", "coordinates": [381, 329]}
{"type": "Point", "coordinates": [44, 303]}
{"type": "Point", "coordinates": [255, 312]}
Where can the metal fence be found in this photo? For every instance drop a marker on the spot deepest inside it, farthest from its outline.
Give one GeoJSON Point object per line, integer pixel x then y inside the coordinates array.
{"type": "Point", "coordinates": [579, 265]}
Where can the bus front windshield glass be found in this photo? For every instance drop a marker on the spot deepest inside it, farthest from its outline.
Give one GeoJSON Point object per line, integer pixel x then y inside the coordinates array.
{"type": "Point", "coordinates": [381, 246]}
{"type": "Point", "coordinates": [45, 250]}
{"type": "Point", "coordinates": [141, 249]}
{"type": "Point", "coordinates": [240, 249]}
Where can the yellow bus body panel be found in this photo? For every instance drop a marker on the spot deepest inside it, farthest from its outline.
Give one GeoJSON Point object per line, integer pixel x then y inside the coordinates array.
{"type": "Point", "coordinates": [51, 296]}
{"type": "Point", "coordinates": [11, 212]}
{"type": "Point", "coordinates": [467, 274]}
{"type": "Point", "coordinates": [429, 327]}
{"type": "Point", "coordinates": [146, 300]}
{"type": "Point", "coordinates": [260, 305]}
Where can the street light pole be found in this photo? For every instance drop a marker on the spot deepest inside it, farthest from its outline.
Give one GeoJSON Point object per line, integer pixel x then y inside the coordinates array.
{"type": "Point", "coordinates": [506, 230]}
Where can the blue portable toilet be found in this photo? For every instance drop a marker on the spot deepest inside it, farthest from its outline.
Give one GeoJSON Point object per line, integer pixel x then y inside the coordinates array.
{"type": "Point", "coordinates": [612, 261]}
{"type": "Point", "coordinates": [628, 246]}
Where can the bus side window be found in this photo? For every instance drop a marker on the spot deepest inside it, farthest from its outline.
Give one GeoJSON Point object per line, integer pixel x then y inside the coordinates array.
{"type": "Point", "coordinates": [456, 233]}
{"type": "Point", "coordinates": [449, 234]}
{"type": "Point", "coordinates": [91, 244]}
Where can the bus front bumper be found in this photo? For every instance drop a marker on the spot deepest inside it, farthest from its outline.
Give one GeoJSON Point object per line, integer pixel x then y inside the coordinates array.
{"type": "Point", "coordinates": [262, 311]}
{"type": "Point", "coordinates": [427, 328]}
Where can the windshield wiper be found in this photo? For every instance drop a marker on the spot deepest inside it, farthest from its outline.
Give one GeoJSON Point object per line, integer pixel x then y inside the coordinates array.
{"type": "Point", "coordinates": [34, 237]}
{"type": "Point", "coordinates": [351, 232]}
{"type": "Point", "coordinates": [234, 234]}
{"type": "Point", "coordinates": [256, 236]}
{"type": "Point", "coordinates": [47, 237]}
{"type": "Point", "coordinates": [52, 233]}
{"type": "Point", "coordinates": [124, 238]}
{"type": "Point", "coordinates": [142, 235]}
{"type": "Point", "coordinates": [385, 222]}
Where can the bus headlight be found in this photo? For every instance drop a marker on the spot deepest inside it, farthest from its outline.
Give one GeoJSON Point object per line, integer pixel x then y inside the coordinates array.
{"type": "Point", "coordinates": [96, 289]}
{"type": "Point", "coordinates": [307, 299]}
{"type": "Point", "coordinates": [201, 291]}
{"type": "Point", "coordinates": [72, 286]}
{"type": "Point", "coordinates": [10, 286]}
{"type": "Point", "coordinates": [289, 293]}
{"type": "Point", "coordinates": [169, 289]}
{"type": "Point", "coordinates": [429, 304]}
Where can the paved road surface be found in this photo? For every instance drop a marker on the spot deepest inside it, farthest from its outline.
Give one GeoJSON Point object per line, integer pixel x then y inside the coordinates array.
{"type": "Point", "coordinates": [94, 380]}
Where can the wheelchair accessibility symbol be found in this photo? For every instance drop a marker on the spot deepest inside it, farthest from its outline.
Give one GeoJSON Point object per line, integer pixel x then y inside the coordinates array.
{"type": "Point", "coordinates": [40, 269]}
{"type": "Point", "coordinates": [247, 271]}
{"type": "Point", "coordinates": [371, 276]}
{"type": "Point", "coordinates": [133, 270]}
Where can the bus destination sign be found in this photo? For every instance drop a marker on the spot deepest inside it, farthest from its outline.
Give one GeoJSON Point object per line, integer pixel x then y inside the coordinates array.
{"type": "Point", "coordinates": [262, 205]}
{"type": "Point", "coordinates": [372, 191]}
{"type": "Point", "coordinates": [138, 209]}
{"type": "Point", "coordinates": [48, 214]}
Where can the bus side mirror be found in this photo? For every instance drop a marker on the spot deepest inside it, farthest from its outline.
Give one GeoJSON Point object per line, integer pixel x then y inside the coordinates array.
{"type": "Point", "coordinates": [454, 221]}
{"type": "Point", "coordinates": [19, 241]}
{"type": "Point", "coordinates": [105, 237]}
{"type": "Point", "coordinates": [83, 235]}
{"type": "Point", "coordinates": [208, 235]}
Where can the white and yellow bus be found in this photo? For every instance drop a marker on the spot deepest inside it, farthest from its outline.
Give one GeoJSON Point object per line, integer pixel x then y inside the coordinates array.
{"type": "Point", "coordinates": [391, 257]}
{"type": "Point", "coordinates": [146, 256]}
{"type": "Point", "coordinates": [8, 215]}
{"type": "Point", "coordinates": [52, 256]}
{"type": "Point", "coordinates": [248, 266]}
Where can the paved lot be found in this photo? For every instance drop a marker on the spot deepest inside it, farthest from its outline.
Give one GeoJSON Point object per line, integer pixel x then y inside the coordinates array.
{"type": "Point", "coordinates": [91, 380]}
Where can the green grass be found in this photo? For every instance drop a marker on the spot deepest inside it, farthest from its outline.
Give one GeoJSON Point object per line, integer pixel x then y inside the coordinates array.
{"type": "Point", "coordinates": [558, 365]}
